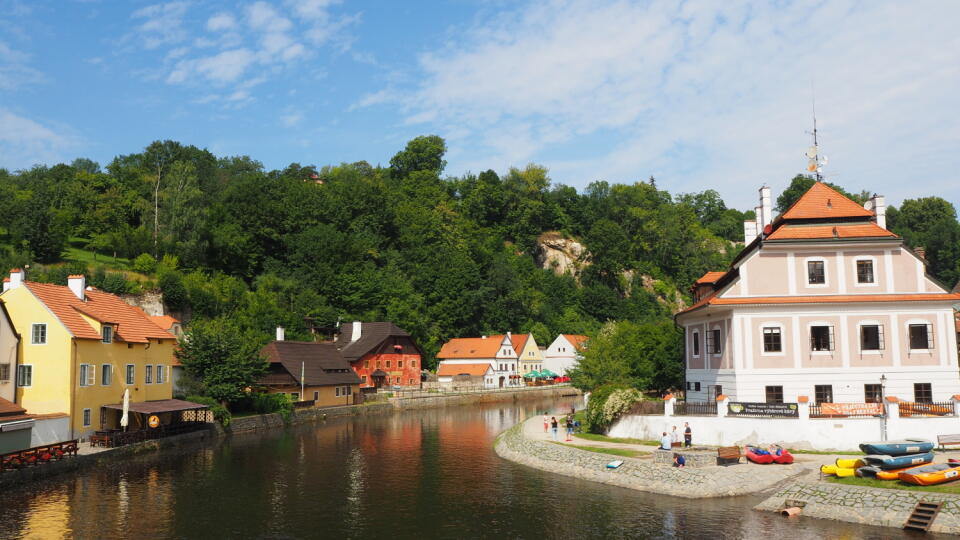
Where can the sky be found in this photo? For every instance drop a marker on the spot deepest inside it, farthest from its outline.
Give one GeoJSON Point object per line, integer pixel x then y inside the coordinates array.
{"type": "Point", "coordinates": [700, 94]}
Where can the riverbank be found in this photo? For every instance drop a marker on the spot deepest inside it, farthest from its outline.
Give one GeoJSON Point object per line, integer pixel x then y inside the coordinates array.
{"type": "Point", "coordinates": [526, 444]}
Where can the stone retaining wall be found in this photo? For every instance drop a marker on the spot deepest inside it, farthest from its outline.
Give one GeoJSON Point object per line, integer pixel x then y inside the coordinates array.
{"type": "Point", "coordinates": [639, 474]}
{"type": "Point", "coordinates": [694, 457]}
{"type": "Point", "coordinates": [859, 504]}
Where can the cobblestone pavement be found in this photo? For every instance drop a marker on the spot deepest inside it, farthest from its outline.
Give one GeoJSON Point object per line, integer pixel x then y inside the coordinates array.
{"type": "Point", "coordinates": [527, 444]}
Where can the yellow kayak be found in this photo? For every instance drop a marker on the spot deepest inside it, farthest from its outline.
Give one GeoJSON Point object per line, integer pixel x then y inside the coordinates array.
{"type": "Point", "coordinates": [850, 463]}
{"type": "Point", "coordinates": [828, 469]}
{"type": "Point", "coordinates": [843, 472]}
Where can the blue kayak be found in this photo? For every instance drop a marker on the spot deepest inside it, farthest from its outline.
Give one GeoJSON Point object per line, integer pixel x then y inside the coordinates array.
{"type": "Point", "coordinates": [897, 448]}
{"type": "Point", "coordinates": [897, 462]}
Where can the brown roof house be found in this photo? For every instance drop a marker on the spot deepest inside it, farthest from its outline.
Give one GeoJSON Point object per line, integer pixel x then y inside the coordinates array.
{"type": "Point", "coordinates": [309, 371]}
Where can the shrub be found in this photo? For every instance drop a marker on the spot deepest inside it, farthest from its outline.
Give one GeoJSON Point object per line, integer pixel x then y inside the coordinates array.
{"type": "Point", "coordinates": [144, 263]}
{"type": "Point", "coordinates": [220, 413]}
{"type": "Point", "coordinates": [174, 293]}
{"type": "Point", "coordinates": [607, 403]}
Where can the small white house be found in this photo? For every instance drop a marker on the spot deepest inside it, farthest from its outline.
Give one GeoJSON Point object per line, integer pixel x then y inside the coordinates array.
{"type": "Point", "coordinates": [564, 352]}
{"type": "Point", "coordinates": [495, 351]}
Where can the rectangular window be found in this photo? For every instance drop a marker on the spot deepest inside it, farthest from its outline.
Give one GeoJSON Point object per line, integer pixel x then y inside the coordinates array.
{"type": "Point", "coordinates": [771, 340]}
{"type": "Point", "coordinates": [864, 271]}
{"type": "Point", "coordinates": [5, 372]}
{"type": "Point", "coordinates": [316, 396]}
{"type": "Point", "coordinates": [388, 364]}
{"type": "Point", "coordinates": [366, 364]}
{"type": "Point", "coordinates": [921, 336]}
{"type": "Point", "coordinates": [714, 345]}
{"type": "Point", "coordinates": [871, 337]}
{"type": "Point", "coordinates": [821, 338]}
{"type": "Point", "coordinates": [363, 379]}
{"type": "Point", "coordinates": [696, 386]}
{"type": "Point", "coordinates": [38, 334]}
{"type": "Point", "coordinates": [348, 390]}
{"type": "Point", "coordinates": [106, 374]}
{"type": "Point", "coordinates": [337, 389]}
{"type": "Point", "coordinates": [871, 393]}
{"type": "Point", "coordinates": [815, 273]}
{"type": "Point", "coordinates": [24, 376]}
{"type": "Point", "coordinates": [107, 334]}
{"type": "Point", "coordinates": [148, 378]}
{"type": "Point", "coordinates": [161, 374]}
{"type": "Point", "coordinates": [86, 418]}
{"type": "Point", "coordinates": [774, 394]}
{"type": "Point", "coordinates": [399, 363]}
{"type": "Point", "coordinates": [131, 373]}
{"type": "Point", "coordinates": [87, 375]}
{"type": "Point", "coordinates": [823, 393]}
{"type": "Point", "coordinates": [413, 363]}
{"type": "Point", "coordinates": [696, 343]}
{"type": "Point", "coordinates": [923, 392]}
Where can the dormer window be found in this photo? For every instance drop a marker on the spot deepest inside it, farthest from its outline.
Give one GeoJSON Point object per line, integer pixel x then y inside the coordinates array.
{"type": "Point", "coordinates": [107, 334]}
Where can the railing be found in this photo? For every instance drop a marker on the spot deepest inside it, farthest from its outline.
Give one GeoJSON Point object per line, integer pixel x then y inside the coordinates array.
{"type": "Point", "coordinates": [38, 455]}
{"type": "Point", "coordinates": [647, 408]}
{"type": "Point", "coordinates": [303, 404]}
{"type": "Point", "coordinates": [846, 410]}
{"type": "Point", "coordinates": [695, 408]}
{"type": "Point", "coordinates": [909, 409]}
{"type": "Point", "coordinates": [114, 438]}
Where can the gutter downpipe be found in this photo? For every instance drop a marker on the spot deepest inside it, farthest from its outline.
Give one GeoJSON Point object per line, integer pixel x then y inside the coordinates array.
{"type": "Point", "coordinates": [74, 367]}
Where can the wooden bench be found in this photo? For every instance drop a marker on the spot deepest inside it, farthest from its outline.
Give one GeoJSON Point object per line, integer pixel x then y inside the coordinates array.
{"type": "Point", "coordinates": [943, 440]}
{"type": "Point", "coordinates": [727, 455]}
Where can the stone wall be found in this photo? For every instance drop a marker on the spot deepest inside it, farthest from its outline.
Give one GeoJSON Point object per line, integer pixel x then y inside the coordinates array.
{"type": "Point", "coordinates": [858, 504]}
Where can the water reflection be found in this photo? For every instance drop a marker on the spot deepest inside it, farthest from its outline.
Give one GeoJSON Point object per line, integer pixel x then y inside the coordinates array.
{"type": "Point", "coordinates": [418, 474]}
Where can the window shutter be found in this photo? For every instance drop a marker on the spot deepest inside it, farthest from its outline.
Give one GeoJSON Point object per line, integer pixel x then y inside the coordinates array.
{"type": "Point", "coordinates": [930, 336]}
{"type": "Point", "coordinates": [880, 336]}
{"type": "Point", "coordinates": [830, 345]}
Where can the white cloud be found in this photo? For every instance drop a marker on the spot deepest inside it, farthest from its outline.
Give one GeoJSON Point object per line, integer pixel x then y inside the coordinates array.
{"type": "Point", "coordinates": [25, 142]}
{"type": "Point", "coordinates": [221, 68]}
{"type": "Point", "coordinates": [14, 71]}
{"type": "Point", "coordinates": [164, 24]}
{"type": "Point", "coordinates": [220, 22]}
{"type": "Point", "coordinates": [291, 119]}
{"type": "Point", "coordinates": [699, 94]}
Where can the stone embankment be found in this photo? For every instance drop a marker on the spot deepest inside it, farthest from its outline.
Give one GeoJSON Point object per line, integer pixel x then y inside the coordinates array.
{"type": "Point", "coordinates": [641, 474]}
{"type": "Point", "coordinates": [866, 505]}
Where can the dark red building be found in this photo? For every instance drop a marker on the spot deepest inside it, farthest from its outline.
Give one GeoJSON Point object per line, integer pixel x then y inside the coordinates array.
{"type": "Point", "coordinates": [381, 353]}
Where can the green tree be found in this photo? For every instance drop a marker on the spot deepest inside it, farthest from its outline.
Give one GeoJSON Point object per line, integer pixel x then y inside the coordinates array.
{"type": "Point", "coordinates": [226, 358]}
{"type": "Point", "coordinates": [424, 153]}
{"type": "Point", "coordinates": [643, 356]}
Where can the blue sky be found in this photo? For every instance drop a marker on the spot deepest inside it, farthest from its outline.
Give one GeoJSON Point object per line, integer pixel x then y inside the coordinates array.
{"type": "Point", "coordinates": [701, 94]}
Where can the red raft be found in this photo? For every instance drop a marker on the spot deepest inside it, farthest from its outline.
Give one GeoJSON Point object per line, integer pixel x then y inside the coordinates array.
{"type": "Point", "coordinates": [765, 457]}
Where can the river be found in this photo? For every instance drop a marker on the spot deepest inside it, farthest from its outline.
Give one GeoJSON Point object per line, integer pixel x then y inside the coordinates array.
{"type": "Point", "coordinates": [415, 474]}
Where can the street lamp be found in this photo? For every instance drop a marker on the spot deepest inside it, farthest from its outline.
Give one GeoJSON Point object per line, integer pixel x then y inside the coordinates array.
{"type": "Point", "coordinates": [883, 407]}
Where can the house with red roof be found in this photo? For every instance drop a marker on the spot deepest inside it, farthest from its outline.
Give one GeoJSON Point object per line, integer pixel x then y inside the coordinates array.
{"type": "Point", "coordinates": [822, 302]}
{"type": "Point", "coordinates": [382, 354]}
{"type": "Point", "coordinates": [490, 361]}
{"type": "Point", "coordinates": [81, 349]}
{"type": "Point", "coordinates": [564, 353]}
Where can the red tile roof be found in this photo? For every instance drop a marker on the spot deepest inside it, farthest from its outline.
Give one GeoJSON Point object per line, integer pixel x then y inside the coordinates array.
{"type": "Point", "coordinates": [471, 347]}
{"type": "Point", "coordinates": [11, 412]}
{"type": "Point", "coordinates": [132, 324]}
{"type": "Point", "coordinates": [579, 342]}
{"type": "Point", "coordinates": [518, 340]}
{"type": "Point", "coordinates": [822, 201]}
{"type": "Point", "coordinates": [452, 370]}
{"type": "Point", "coordinates": [824, 299]}
{"type": "Point", "coordinates": [164, 321]}
{"type": "Point", "coordinates": [711, 277]}
{"type": "Point", "coordinates": [811, 232]}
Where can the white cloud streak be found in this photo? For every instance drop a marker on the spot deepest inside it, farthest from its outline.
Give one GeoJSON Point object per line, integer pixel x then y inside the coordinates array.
{"type": "Point", "coordinates": [25, 142]}
{"type": "Point", "coordinates": [163, 24]}
{"type": "Point", "coordinates": [700, 94]}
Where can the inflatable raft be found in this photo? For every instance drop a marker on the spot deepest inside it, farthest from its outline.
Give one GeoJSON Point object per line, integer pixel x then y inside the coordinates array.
{"type": "Point", "coordinates": [893, 474]}
{"type": "Point", "coordinates": [897, 448]}
{"type": "Point", "coordinates": [850, 463]}
{"type": "Point", "coordinates": [898, 462]}
{"type": "Point", "coordinates": [785, 457]}
{"type": "Point", "coordinates": [759, 455]}
{"type": "Point", "coordinates": [929, 475]}
{"type": "Point", "coordinates": [845, 473]}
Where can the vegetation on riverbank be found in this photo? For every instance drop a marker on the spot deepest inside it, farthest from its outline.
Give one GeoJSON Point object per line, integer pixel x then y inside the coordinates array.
{"type": "Point", "coordinates": [604, 450]}
{"type": "Point", "coordinates": [949, 487]}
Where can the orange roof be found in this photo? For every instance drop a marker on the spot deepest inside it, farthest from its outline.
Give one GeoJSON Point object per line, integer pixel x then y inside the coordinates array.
{"type": "Point", "coordinates": [822, 201]}
{"type": "Point", "coordinates": [518, 340]}
{"type": "Point", "coordinates": [824, 299]}
{"type": "Point", "coordinates": [578, 341]}
{"type": "Point", "coordinates": [803, 232]}
{"type": "Point", "coordinates": [478, 347]}
{"type": "Point", "coordinates": [133, 325]}
{"type": "Point", "coordinates": [711, 277]}
{"type": "Point", "coordinates": [451, 370]}
{"type": "Point", "coordinates": [164, 321]}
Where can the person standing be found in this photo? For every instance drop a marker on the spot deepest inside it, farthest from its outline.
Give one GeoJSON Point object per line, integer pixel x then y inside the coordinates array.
{"type": "Point", "coordinates": [553, 427]}
{"type": "Point", "coordinates": [546, 423]}
{"type": "Point", "coordinates": [665, 441]}
{"type": "Point", "coordinates": [687, 435]}
{"type": "Point", "coordinates": [569, 428]}
{"type": "Point", "coordinates": [675, 437]}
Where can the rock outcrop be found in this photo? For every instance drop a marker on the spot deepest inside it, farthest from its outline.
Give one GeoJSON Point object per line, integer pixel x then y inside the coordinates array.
{"type": "Point", "coordinates": [560, 254]}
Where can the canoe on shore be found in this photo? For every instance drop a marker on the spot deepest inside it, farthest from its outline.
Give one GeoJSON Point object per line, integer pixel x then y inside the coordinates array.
{"type": "Point", "coordinates": [850, 463]}
{"type": "Point", "coordinates": [898, 462]}
{"type": "Point", "coordinates": [897, 448]}
{"type": "Point", "coordinates": [932, 474]}
{"type": "Point", "coordinates": [894, 474]}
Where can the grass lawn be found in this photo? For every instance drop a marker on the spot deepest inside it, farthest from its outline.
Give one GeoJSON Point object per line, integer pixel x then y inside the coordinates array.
{"type": "Point", "coordinates": [825, 452]}
{"type": "Point", "coordinates": [604, 438]}
{"type": "Point", "coordinates": [949, 487]}
{"type": "Point", "coordinates": [612, 451]}
{"type": "Point", "coordinates": [75, 252]}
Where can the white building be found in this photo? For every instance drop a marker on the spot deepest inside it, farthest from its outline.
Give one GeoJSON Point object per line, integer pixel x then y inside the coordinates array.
{"type": "Point", "coordinates": [471, 354]}
{"type": "Point", "coordinates": [564, 353]}
{"type": "Point", "coordinates": [823, 302]}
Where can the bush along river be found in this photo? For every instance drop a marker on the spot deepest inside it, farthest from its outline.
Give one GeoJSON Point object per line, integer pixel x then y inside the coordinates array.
{"type": "Point", "coordinates": [421, 474]}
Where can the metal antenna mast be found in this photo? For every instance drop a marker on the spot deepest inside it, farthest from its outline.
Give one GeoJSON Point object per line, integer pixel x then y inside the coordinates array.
{"type": "Point", "coordinates": [815, 161]}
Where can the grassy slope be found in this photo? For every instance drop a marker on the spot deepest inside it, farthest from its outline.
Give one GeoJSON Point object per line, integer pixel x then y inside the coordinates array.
{"type": "Point", "coordinates": [612, 451]}
{"type": "Point", "coordinates": [949, 487]}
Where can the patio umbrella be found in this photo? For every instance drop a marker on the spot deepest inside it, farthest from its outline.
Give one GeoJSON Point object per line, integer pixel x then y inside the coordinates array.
{"type": "Point", "coordinates": [547, 374]}
{"type": "Point", "coordinates": [532, 375]}
{"type": "Point", "coordinates": [125, 418]}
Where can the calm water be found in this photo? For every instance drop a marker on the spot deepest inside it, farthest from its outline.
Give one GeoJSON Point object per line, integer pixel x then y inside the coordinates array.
{"type": "Point", "coordinates": [423, 474]}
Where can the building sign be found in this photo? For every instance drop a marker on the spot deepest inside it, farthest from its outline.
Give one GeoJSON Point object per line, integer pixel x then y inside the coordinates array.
{"type": "Point", "coordinates": [742, 408]}
{"type": "Point", "coordinates": [851, 409]}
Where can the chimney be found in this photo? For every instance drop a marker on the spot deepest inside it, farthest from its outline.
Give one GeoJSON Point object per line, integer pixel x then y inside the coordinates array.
{"type": "Point", "coordinates": [77, 284]}
{"type": "Point", "coordinates": [357, 330]}
{"type": "Point", "coordinates": [281, 334]}
{"type": "Point", "coordinates": [879, 207]}
{"type": "Point", "coordinates": [921, 252]}
{"type": "Point", "coordinates": [765, 206]}
{"type": "Point", "coordinates": [749, 231]}
{"type": "Point", "coordinates": [758, 210]}
{"type": "Point", "coordinates": [16, 279]}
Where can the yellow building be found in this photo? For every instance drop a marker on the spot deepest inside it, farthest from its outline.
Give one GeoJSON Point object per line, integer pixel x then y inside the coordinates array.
{"type": "Point", "coordinates": [528, 353]}
{"type": "Point", "coordinates": [81, 348]}
{"type": "Point", "coordinates": [309, 371]}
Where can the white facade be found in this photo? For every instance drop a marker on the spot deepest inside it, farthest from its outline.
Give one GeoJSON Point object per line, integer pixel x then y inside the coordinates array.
{"type": "Point", "coordinates": [502, 358]}
{"type": "Point", "coordinates": [831, 318]}
{"type": "Point", "coordinates": [562, 354]}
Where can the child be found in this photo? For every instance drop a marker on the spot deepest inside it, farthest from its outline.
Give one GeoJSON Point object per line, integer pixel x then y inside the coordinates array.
{"type": "Point", "coordinates": [679, 461]}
